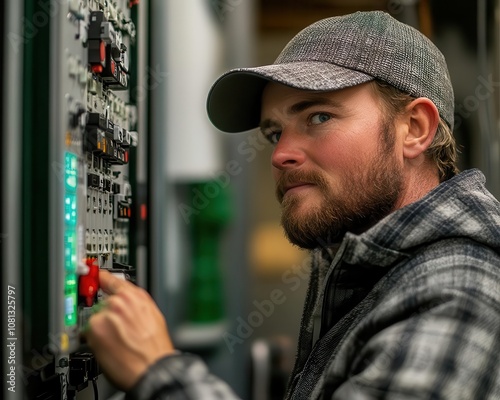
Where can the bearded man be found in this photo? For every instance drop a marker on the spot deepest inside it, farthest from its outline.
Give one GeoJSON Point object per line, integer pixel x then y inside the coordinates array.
{"type": "Point", "coordinates": [404, 294]}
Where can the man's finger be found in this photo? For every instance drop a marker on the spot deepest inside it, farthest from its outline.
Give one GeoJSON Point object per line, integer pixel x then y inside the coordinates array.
{"type": "Point", "coordinates": [110, 284]}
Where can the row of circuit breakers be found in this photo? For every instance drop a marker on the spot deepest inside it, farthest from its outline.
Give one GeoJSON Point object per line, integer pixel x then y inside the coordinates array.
{"type": "Point", "coordinates": [99, 135]}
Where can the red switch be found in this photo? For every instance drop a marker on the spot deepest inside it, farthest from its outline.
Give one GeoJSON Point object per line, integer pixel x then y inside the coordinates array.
{"type": "Point", "coordinates": [97, 68]}
{"type": "Point", "coordinates": [89, 284]}
{"type": "Point", "coordinates": [97, 55]}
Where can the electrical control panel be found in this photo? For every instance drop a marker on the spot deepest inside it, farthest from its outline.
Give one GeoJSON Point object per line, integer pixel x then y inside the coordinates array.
{"type": "Point", "coordinates": [97, 137]}
{"type": "Point", "coordinates": [93, 130]}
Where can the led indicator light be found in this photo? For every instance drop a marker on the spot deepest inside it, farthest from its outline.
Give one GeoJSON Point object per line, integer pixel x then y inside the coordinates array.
{"type": "Point", "coordinates": [70, 239]}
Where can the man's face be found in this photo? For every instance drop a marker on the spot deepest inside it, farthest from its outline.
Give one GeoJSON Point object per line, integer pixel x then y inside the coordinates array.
{"type": "Point", "coordinates": [334, 161]}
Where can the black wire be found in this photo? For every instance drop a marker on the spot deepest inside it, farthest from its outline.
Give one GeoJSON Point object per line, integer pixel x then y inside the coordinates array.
{"type": "Point", "coordinates": [96, 392]}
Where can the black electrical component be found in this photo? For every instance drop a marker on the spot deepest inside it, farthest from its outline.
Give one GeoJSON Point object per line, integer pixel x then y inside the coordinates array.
{"type": "Point", "coordinates": [107, 185]}
{"type": "Point", "coordinates": [113, 74]}
{"type": "Point", "coordinates": [107, 56]}
{"type": "Point", "coordinates": [95, 141]}
{"type": "Point", "coordinates": [97, 120]}
{"type": "Point", "coordinates": [96, 46]}
{"type": "Point", "coordinates": [75, 117]}
{"type": "Point", "coordinates": [83, 368]}
{"type": "Point", "coordinates": [93, 180]}
{"type": "Point", "coordinates": [96, 19]}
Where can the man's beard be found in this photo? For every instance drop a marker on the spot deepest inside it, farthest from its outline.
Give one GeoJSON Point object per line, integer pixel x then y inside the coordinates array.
{"type": "Point", "coordinates": [362, 199]}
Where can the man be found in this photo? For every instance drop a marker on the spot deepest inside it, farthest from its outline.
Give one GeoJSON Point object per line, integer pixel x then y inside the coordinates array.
{"type": "Point", "coordinates": [404, 295]}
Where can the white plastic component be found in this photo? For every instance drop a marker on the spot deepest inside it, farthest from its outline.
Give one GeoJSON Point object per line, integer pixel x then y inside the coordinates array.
{"type": "Point", "coordinates": [133, 138]}
{"type": "Point", "coordinates": [73, 69]}
{"type": "Point", "coordinates": [126, 137]}
{"type": "Point", "coordinates": [125, 60]}
{"type": "Point", "coordinates": [118, 133]}
{"type": "Point", "coordinates": [108, 33]}
{"type": "Point", "coordinates": [82, 74]}
{"type": "Point", "coordinates": [75, 7]}
{"type": "Point", "coordinates": [191, 64]}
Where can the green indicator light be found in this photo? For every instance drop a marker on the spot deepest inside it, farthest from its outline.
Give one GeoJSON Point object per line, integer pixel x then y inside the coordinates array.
{"type": "Point", "coordinates": [70, 172]}
{"type": "Point", "coordinates": [71, 282]}
{"type": "Point", "coordinates": [70, 239]}
{"type": "Point", "coordinates": [70, 309]}
{"type": "Point", "coordinates": [70, 251]}
{"type": "Point", "coordinates": [70, 209]}
{"type": "Point", "coordinates": [70, 300]}
{"type": "Point", "coordinates": [71, 181]}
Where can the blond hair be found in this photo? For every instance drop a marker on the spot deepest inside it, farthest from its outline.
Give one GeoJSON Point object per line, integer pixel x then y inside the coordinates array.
{"type": "Point", "coordinates": [443, 149]}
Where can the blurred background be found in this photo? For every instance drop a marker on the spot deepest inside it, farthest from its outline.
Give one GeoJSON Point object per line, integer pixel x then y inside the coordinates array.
{"type": "Point", "coordinates": [192, 214]}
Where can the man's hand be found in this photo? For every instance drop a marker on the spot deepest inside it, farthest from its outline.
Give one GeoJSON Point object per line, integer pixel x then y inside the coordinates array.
{"type": "Point", "coordinates": [128, 334]}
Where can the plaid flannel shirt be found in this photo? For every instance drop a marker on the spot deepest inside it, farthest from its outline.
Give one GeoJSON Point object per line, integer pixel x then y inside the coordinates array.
{"type": "Point", "coordinates": [410, 309]}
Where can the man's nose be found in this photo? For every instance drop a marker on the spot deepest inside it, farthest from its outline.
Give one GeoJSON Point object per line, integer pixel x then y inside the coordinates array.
{"type": "Point", "coordinates": [288, 152]}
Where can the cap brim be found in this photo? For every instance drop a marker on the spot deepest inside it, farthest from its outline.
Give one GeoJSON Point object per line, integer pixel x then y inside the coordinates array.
{"type": "Point", "coordinates": [234, 101]}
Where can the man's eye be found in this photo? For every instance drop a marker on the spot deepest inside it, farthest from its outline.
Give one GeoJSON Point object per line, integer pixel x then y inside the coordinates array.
{"type": "Point", "coordinates": [274, 137]}
{"type": "Point", "coordinates": [319, 118]}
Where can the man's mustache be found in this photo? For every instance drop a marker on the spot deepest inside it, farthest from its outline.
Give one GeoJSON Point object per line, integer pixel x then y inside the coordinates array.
{"type": "Point", "coordinates": [291, 178]}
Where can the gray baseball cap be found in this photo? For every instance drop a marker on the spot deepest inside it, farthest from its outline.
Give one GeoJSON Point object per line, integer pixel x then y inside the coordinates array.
{"type": "Point", "coordinates": [336, 53]}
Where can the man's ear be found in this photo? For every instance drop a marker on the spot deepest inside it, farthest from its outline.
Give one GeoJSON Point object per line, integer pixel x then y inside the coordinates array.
{"type": "Point", "coordinates": [423, 120]}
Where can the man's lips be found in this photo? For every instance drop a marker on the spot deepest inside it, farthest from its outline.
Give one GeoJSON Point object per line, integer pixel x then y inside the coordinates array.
{"type": "Point", "coordinates": [295, 186]}
{"type": "Point", "coordinates": [295, 181]}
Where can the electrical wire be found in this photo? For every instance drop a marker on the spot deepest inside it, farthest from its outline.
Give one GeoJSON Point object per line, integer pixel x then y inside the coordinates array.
{"type": "Point", "coordinates": [96, 391]}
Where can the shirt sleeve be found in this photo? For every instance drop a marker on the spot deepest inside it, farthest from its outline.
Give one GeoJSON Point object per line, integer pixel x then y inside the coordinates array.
{"type": "Point", "coordinates": [180, 376]}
